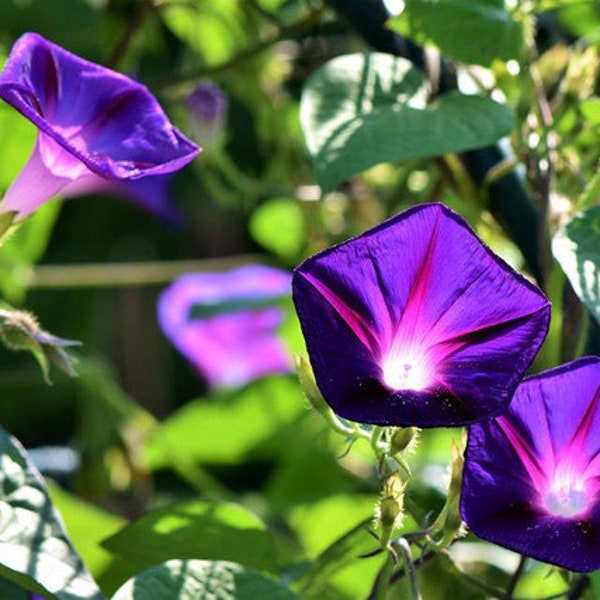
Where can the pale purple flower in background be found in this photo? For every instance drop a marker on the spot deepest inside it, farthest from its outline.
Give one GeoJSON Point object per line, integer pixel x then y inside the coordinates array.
{"type": "Point", "coordinates": [98, 130]}
{"type": "Point", "coordinates": [207, 113]}
{"type": "Point", "coordinates": [417, 323]}
{"type": "Point", "coordinates": [225, 324]}
{"type": "Point", "coordinates": [531, 477]}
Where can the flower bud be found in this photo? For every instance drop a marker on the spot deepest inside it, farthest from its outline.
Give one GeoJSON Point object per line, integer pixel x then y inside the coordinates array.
{"type": "Point", "coordinates": [207, 106]}
{"type": "Point", "coordinates": [309, 385]}
{"type": "Point", "coordinates": [390, 508]}
{"type": "Point", "coordinates": [449, 524]}
{"type": "Point", "coordinates": [403, 439]}
{"type": "Point", "coordinates": [19, 330]}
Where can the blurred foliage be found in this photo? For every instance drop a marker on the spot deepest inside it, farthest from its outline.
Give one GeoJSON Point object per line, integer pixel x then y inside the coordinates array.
{"type": "Point", "coordinates": [247, 492]}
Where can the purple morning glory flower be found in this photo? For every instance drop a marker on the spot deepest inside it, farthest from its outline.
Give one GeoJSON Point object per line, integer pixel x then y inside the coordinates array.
{"type": "Point", "coordinates": [225, 323]}
{"type": "Point", "coordinates": [97, 128]}
{"type": "Point", "coordinates": [532, 475]}
{"type": "Point", "coordinates": [417, 323]}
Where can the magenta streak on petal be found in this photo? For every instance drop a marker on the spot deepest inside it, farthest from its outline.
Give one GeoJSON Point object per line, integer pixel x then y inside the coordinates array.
{"type": "Point", "coordinates": [350, 316]}
{"type": "Point", "coordinates": [380, 299]}
{"type": "Point", "coordinates": [535, 470]}
{"type": "Point", "coordinates": [407, 363]}
{"type": "Point", "coordinates": [410, 324]}
{"type": "Point", "coordinates": [574, 454]}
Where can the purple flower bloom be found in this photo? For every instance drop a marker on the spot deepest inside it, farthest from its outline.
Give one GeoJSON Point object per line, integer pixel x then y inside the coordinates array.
{"type": "Point", "coordinates": [97, 128]}
{"type": "Point", "coordinates": [207, 105]}
{"type": "Point", "coordinates": [532, 475]}
{"type": "Point", "coordinates": [225, 323]}
{"type": "Point", "coordinates": [417, 323]}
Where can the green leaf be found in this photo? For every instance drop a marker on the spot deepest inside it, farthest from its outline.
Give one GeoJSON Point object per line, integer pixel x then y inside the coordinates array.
{"type": "Point", "coordinates": [212, 29]}
{"type": "Point", "coordinates": [35, 551]}
{"type": "Point", "coordinates": [278, 226]}
{"type": "Point", "coordinates": [23, 248]}
{"type": "Point", "coordinates": [318, 524]}
{"type": "Point", "coordinates": [471, 32]}
{"type": "Point", "coordinates": [195, 579]}
{"type": "Point", "coordinates": [87, 525]}
{"type": "Point", "coordinates": [224, 428]}
{"type": "Point", "coordinates": [197, 529]}
{"type": "Point", "coordinates": [590, 109]}
{"type": "Point", "coordinates": [577, 249]}
{"type": "Point", "coordinates": [360, 110]}
{"type": "Point", "coordinates": [337, 556]}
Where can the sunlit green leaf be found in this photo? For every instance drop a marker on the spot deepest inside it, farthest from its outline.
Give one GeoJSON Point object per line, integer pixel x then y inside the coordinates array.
{"type": "Point", "coordinates": [212, 29]}
{"type": "Point", "coordinates": [591, 110]}
{"type": "Point", "coordinates": [35, 551]}
{"type": "Point", "coordinates": [471, 32]}
{"type": "Point", "coordinates": [363, 109]}
{"type": "Point", "coordinates": [278, 226]}
{"type": "Point", "coordinates": [228, 425]}
{"type": "Point", "coordinates": [577, 249]}
{"type": "Point", "coordinates": [87, 525]}
{"type": "Point", "coordinates": [337, 556]}
{"type": "Point", "coordinates": [198, 579]}
{"type": "Point", "coordinates": [319, 524]}
{"type": "Point", "coordinates": [195, 529]}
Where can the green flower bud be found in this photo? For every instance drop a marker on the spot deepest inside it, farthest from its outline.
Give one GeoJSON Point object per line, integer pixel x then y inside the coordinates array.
{"type": "Point", "coordinates": [449, 525]}
{"type": "Point", "coordinates": [20, 330]}
{"type": "Point", "coordinates": [403, 439]}
{"type": "Point", "coordinates": [309, 385]}
{"type": "Point", "coordinates": [389, 511]}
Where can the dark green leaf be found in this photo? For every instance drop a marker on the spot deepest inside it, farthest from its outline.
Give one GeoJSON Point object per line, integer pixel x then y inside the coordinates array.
{"type": "Point", "coordinates": [577, 249]}
{"type": "Point", "coordinates": [34, 549]}
{"type": "Point", "coordinates": [364, 109]}
{"type": "Point", "coordinates": [206, 530]}
{"type": "Point", "coordinates": [471, 32]}
{"type": "Point", "coordinates": [198, 579]}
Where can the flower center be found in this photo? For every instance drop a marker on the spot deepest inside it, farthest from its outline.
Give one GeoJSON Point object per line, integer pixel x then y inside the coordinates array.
{"type": "Point", "coordinates": [567, 496]}
{"type": "Point", "coordinates": [403, 374]}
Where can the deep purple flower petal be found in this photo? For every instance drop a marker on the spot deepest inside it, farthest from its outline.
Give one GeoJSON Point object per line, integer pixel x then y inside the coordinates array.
{"type": "Point", "coordinates": [417, 323]}
{"type": "Point", "coordinates": [230, 345]}
{"type": "Point", "coordinates": [92, 121]}
{"type": "Point", "coordinates": [532, 475]}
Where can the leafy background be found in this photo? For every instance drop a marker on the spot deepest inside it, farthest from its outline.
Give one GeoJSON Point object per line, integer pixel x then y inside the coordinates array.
{"type": "Point", "coordinates": [332, 126]}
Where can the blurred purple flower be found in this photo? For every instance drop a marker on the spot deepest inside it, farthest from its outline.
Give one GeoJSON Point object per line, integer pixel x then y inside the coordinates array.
{"type": "Point", "coordinates": [225, 323]}
{"type": "Point", "coordinates": [98, 130]}
{"type": "Point", "coordinates": [532, 475]}
{"type": "Point", "coordinates": [417, 323]}
{"type": "Point", "coordinates": [207, 109]}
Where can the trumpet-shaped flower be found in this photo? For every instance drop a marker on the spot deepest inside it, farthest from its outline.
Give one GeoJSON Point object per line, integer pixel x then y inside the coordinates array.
{"type": "Point", "coordinates": [532, 475]}
{"type": "Point", "coordinates": [225, 323]}
{"type": "Point", "coordinates": [97, 128]}
{"type": "Point", "coordinates": [417, 323]}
